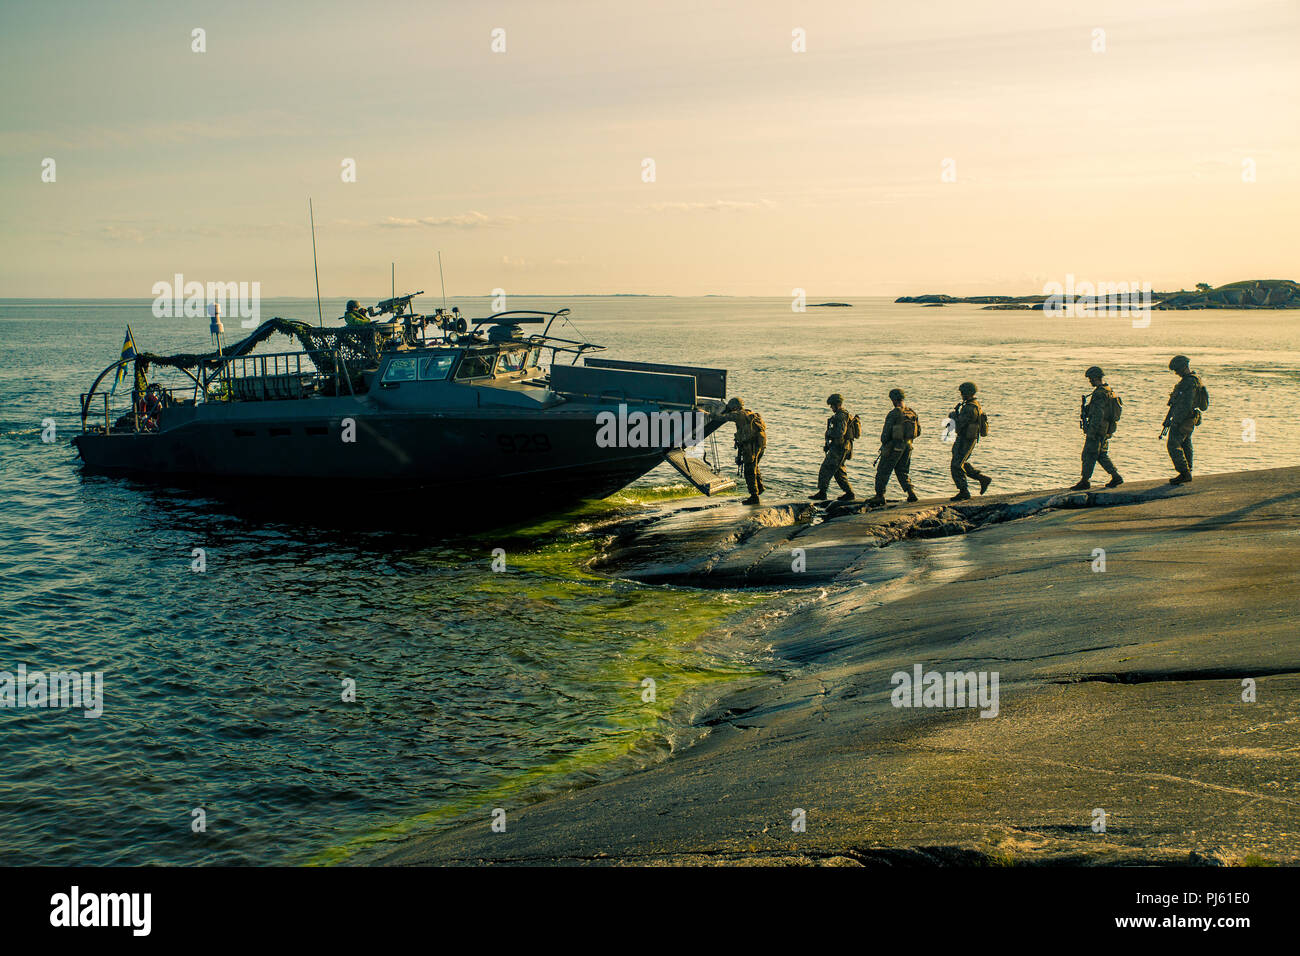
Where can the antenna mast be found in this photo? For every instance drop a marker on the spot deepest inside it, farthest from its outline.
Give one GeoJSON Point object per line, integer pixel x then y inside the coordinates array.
{"type": "Point", "coordinates": [443, 281]}
{"type": "Point", "coordinates": [320, 319]}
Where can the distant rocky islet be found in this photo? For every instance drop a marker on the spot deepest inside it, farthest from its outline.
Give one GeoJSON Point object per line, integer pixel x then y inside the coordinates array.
{"type": "Point", "coordinates": [1247, 294]}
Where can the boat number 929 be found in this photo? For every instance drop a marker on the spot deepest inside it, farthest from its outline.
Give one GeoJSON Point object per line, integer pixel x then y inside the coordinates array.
{"type": "Point", "coordinates": [524, 444]}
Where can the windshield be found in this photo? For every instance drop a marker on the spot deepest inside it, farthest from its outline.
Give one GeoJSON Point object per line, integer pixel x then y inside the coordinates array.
{"type": "Point", "coordinates": [476, 365]}
{"type": "Point", "coordinates": [434, 368]}
{"type": "Point", "coordinates": [400, 370]}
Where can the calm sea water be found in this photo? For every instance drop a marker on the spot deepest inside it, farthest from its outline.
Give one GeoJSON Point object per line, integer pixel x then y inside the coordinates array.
{"type": "Point", "coordinates": [223, 689]}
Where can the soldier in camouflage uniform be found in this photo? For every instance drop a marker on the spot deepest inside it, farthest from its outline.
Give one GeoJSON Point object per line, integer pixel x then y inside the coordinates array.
{"type": "Point", "coordinates": [838, 447]}
{"type": "Point", "coordinates": [966, 418]}
{"type": "Point", "coordinates": [1098, 424]}
{"type": "Point", "coordinates": [751, 442]}
{"type": "Point", "coordinates": [901, 426]}
{"type": "Point", "coordinates": [1183, 417]}
{"type": "Point", "coordinates": [356, 315]}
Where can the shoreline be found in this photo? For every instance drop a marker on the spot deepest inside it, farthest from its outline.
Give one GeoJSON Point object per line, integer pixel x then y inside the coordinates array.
{"type": "Point", "coordinates": [1121, 692]}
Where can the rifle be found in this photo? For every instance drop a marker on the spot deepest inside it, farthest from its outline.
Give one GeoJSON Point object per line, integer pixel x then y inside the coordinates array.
{"type": "Point", "coordinates": [1083, 412]}
{"type": "Point", "coordinates": [1168, 421]}
{"type": "Point", "coordinates": [875, 461]}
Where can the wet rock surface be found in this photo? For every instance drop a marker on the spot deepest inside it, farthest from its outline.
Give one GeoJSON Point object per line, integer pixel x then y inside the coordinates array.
{"type": "Point", "coordinates": [1146, 643]}
{"type": "Point", "coordinates": [723, 543]}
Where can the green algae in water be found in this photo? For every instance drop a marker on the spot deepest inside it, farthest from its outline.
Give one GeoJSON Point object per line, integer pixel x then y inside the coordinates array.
{"type": "Point", "coordinates": [621, 631]}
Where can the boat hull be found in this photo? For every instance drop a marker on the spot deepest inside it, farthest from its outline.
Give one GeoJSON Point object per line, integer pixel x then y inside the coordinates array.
{"type": "Point", "coordinates": [546, 458]}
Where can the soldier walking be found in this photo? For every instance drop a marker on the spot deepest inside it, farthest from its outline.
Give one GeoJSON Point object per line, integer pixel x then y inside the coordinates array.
{"type": "Point", "coordinates": [838, 446]}
{"type": "Point", "coordinates": [970, 424]}
{"type": "Point", "coordinates": [1186, 402]}
{"type": "Point", "coordinates": [1098, 415]}
{"type": "Point", "coordinates": [901, 426]}
{"type": "Point", "coordinates": [751, 442]}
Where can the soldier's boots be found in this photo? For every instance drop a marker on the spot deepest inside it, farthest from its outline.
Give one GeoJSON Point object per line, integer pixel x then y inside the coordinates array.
{"type": "Point", "coordinates": [751, 500]}
{"type": "Point", "coordinates": [985, 481]}
{"type": "Point", "coordinates": [961, 496]}
{"type": "Point", "coordinates": [1182, 478]}
{"type": "Point", "coordinates": [820, 496]}
{"type": "Point", "coordinates": [911, 496]}
{"type": "Point", "coordinates": [1083, 484]}
{"type": "Point", "coordinates": [847, 496]}
{"type": "Point", "coordinates": [876, 500]}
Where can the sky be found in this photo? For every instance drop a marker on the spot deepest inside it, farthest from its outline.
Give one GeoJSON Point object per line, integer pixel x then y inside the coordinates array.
{"type": "Point", "coordinates": [952, 146]}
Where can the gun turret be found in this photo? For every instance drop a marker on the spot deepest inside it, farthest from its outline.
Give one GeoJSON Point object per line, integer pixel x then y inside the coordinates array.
{"type": "Point", "coordinates": [395, 306]}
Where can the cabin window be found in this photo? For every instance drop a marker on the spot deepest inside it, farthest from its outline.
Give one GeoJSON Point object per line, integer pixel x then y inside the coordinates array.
{"type": "Point", "coordinates": [513, 361]}
{"type": "Point", "coordinates": [476, 365]}
{"type": "Point", "coordinates": [435, 368]}
{"type": "Point", "coordinates": [400, 370]}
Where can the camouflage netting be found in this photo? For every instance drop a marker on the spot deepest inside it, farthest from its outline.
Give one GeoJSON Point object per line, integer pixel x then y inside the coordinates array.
{"type": "Point", "coordinates": [355, 348]}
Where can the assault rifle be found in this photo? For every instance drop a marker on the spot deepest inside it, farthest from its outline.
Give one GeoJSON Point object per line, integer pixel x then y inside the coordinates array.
{"type": "Point", "coordinates": [1168, 421]}
{"type": "Point", "coordinates": [1083, 412]}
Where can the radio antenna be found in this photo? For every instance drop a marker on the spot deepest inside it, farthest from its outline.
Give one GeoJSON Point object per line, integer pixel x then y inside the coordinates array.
{"type": "Point", "coordinates": [320, 318]}
{"type": "Point", "coordinates": [443, 281]}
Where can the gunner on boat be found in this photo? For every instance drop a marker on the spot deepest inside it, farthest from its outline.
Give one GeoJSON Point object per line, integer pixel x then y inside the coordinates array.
{"type": "Point", "coordinates": [355, 314]}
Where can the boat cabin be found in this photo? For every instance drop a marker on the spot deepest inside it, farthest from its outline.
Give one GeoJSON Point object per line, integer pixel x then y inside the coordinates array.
{"type": "Point", "coordinates": [479, 366]}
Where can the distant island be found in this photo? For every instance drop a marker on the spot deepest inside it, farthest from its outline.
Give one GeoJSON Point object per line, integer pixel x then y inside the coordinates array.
{"type": "Point", "coordinates": [831, 305]}
{"type": "Point", "coordinates": [1247, 294]}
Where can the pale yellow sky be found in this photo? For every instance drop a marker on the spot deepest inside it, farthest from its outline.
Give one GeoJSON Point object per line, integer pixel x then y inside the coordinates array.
{"type": "Point", "coordinates": [774, 169]}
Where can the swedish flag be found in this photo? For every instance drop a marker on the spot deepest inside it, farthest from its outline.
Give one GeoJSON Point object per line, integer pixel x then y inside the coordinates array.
{"type": "Point", "coordinates": [128, 352]}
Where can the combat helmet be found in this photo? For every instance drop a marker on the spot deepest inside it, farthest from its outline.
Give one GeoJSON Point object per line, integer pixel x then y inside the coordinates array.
{"type": "Point", "coordinates": [896, 395]}
{"type": "Point", "coordinates": [836, 399]}
{"type": "Point", "coordinates": [1179, 363]}
{"type": "Point", "coordinates": [353, 305]}
{"type": "Point", "coordinates": [967, 389]}
{"type": "Point", "coordinates": [1094, 372]}
{"type": "Point", "coordinates": [735, 404]}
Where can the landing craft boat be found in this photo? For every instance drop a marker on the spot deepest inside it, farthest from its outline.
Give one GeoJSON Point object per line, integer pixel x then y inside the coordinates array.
{"type": "Point", "coordinates": [430, 402]}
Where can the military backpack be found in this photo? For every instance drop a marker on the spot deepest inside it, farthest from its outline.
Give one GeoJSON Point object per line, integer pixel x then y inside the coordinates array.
{"type": "Point", "coordinates": [908, 428]}
{"type": "Point", "coordinates": [1115, 408]}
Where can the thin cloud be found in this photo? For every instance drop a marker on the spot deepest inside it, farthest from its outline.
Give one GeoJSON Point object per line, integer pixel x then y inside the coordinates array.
{"type": "Point", "coordinates": [717, 205]}
{"type": "Point", "coordinates": [468, 220]}
{"type": "Point", "coordinates": [253, 125]}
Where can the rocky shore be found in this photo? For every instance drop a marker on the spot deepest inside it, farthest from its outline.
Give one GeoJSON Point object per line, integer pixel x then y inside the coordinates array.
{"type": "Point", "coordinates": [1247, 294]}
{"type": "Point", "coordinates": [1145, 644]}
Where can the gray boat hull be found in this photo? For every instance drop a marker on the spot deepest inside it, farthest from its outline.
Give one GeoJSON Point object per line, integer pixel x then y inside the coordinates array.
{"type": "Point", "coordinates": [549, 457]}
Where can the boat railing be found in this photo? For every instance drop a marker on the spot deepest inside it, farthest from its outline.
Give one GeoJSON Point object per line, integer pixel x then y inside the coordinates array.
{"type": "Point", "coordinates": [133, 411]}
{"type": "Point", "coordinates": [277, 376]}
